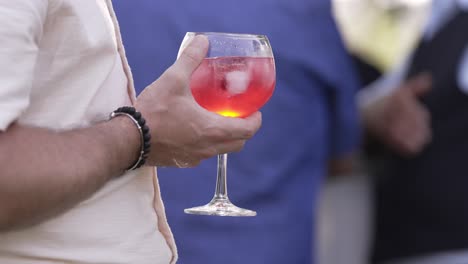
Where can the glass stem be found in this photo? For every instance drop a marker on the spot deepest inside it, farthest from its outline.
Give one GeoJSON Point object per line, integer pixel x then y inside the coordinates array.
{"type": "Point", "coordinates": [221, 184]}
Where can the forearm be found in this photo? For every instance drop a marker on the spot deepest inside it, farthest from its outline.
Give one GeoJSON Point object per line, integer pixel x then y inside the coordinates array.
{"type": "Point", "coordinates": [44, 172]}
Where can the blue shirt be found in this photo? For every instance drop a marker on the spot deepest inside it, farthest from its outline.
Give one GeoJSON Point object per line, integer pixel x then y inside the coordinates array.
{"type": "Point", "coordinates": [310, 117]}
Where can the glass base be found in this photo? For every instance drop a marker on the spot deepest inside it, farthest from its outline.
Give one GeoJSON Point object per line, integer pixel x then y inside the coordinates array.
{"type": "Point", "coordinates": [220, 207]}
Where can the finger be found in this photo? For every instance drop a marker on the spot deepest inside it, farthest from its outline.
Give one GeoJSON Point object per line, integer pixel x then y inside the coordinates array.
{"type": "Point", "coordinates": [402, 135]}
{"type": "Point", "coordinates": [242, 128]}
{"type": "Point", "coordinates": [420, 84]}
{"type": "Point", "coordinates": [399, 136]}
{"type": "Point", "coordinates": [414, 145]}
{"type": "Point", "coordinates": [421, 119]}
{"type": "Point", "coordinates": [191, 56]}
{"type": "Point", "coordinates": [185, 163]}
{"type": "Point", "coordinates": [229, 147]}
{"type": "Point", "coordinates": [409, 146]}
{"type": "Point", "coordinates": [414, 137]}
{"type": "Point", "coordinates": [426, 129]}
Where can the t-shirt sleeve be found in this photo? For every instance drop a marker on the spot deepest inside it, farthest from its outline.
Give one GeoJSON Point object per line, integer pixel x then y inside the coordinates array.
{"type": "Point", "coordinates": [22, 23]}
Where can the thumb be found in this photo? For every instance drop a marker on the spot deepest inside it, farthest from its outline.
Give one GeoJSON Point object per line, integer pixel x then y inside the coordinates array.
{"type": "Point", "coordinates": [191, 56]}
{"type": "Point", "coordinates": [420, 85]}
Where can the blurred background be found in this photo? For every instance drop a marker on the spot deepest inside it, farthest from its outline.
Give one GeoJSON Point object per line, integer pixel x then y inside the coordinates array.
{"type": "Point", "coordinates": [380, 34]}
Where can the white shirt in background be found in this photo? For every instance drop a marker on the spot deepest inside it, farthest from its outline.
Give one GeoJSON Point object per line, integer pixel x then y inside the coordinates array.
{"type": "Point", "coordinates": [442, 10]}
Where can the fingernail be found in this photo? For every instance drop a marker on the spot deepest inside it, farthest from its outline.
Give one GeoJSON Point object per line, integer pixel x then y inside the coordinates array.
{"type": "Point", "coordinates": [199, 41]}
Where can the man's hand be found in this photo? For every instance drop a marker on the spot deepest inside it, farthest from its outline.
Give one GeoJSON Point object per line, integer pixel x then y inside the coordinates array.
{"type": "Point", "coordinates": [399, 119]}
{"type": "Point", "coordinates": [46, 172]}
{"type": "Point", "coordinates": [183, 133]}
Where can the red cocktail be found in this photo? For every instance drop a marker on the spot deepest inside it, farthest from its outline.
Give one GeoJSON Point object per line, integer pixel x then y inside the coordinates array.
{"type": "Point", "coordinates": [234, 86]}
{"type": "Point", "coordinates": [235, 80]}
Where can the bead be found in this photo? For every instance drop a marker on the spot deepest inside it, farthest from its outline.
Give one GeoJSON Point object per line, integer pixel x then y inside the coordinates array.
{"type": "Point", "coordinates": [144, 130]}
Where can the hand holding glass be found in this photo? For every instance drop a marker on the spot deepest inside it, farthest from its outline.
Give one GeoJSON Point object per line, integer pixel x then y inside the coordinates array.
{"type": "Point", "coordinates": [235, 79]}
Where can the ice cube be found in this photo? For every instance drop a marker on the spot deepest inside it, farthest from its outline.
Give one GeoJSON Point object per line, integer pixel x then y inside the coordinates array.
{"type": "Point", "coordinates": [237, 82]}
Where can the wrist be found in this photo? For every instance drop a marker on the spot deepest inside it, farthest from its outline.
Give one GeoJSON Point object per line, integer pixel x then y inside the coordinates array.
{"type": "Point", "coordinates": [139, 123]}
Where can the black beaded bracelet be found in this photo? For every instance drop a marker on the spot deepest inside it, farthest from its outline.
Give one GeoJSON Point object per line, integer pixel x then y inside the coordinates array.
{"type": "Point", "coordinates": [145, 135]}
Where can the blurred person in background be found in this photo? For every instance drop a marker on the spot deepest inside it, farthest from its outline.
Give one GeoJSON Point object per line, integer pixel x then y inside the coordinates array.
{"type": "Point", "coordinates": [419, 113]}
{"type": "Point", "coordinates": [310, 121]}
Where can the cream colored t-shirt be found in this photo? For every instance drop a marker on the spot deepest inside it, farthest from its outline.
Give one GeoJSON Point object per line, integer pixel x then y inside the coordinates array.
{"type": "Point", "coordinates": [62, 66]}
